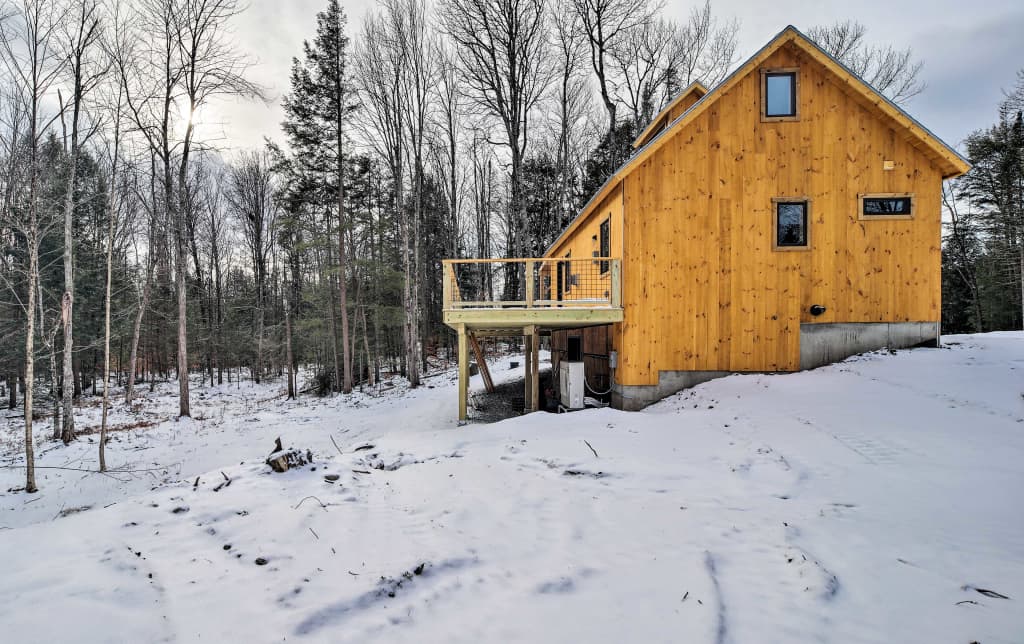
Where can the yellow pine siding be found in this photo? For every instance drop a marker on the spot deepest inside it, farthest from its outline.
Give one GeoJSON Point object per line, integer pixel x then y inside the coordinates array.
{"type": "Point", "coordinates": [703, 288]}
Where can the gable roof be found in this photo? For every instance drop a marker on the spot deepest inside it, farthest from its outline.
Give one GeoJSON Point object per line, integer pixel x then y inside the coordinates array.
{"type": "Point", "coordinates": [950, 162]}
{"type": "Point", "coordinates": [696, 88]}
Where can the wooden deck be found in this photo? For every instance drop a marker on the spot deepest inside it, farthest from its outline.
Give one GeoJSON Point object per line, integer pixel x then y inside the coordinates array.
{"type": "Point", "coordinates": [526, 297]}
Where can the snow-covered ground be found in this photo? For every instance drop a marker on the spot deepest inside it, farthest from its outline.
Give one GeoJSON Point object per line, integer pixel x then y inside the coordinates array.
{"type": "Point", "coordinates": [868, 501]}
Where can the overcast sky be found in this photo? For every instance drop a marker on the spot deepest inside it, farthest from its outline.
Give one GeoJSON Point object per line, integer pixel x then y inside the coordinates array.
{"type": "Point", "coordinates": [971, 51]}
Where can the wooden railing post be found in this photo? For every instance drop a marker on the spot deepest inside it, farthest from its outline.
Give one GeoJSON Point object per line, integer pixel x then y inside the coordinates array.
{"type": "Point", "coordinates": [530, 295]}
{"type": "Point", "coordinates": [446, 284]}
{"type": "Point", "coordinates": [463, 372]}
{"type": "Point", "coordinates": [616, 285]}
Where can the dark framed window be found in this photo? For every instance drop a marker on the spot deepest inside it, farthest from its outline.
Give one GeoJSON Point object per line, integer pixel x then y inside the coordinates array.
{"type": "Point", "coordinates": [791, 223]}
{"type": "Point", "coordinates": [564, 276]}
{"type": "Point", "coordinates": [887, 206]}
{"type": "Point", "coordinates": [780, 94]}
{"type": "Point", "coordinates": [606, 243]}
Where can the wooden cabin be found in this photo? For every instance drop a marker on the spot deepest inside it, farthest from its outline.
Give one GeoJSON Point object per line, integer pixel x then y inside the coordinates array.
{"type": "Point", "coordinates": [785, 219]}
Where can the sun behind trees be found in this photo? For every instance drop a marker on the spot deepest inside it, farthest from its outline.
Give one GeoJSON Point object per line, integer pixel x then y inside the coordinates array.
{"type": "Point", "coordinates": [135, 251]}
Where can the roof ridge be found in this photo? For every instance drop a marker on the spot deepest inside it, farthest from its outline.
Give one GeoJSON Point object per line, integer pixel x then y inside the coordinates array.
{"type": "Point", "coordinates": [774, 43]}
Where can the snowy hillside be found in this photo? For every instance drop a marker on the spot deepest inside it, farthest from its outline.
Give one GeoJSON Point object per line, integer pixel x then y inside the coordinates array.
{"type": "Point", "coordinates": [876, 500]}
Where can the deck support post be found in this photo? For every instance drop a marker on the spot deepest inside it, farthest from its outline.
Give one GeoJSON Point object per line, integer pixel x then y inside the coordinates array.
{"type": "Point", "coordinates": [463, 371]}
{"type": "Point", "coordinates": [532, 384]}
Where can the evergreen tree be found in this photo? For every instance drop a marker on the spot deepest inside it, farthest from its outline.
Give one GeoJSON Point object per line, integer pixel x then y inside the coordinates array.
{"type": "Point", "coordinates": [615, 149]}
{"type": "Point", "coordinates": [317, 110]}
{"type": "Point", "coordinates": [995, 185]}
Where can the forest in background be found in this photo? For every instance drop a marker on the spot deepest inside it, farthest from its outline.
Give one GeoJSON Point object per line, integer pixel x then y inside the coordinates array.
{"type": "Point", "coordinates": [134, 251]}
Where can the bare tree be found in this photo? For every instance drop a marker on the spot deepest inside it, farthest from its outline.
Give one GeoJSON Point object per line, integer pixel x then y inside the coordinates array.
{"type": "Point", "coordinates": [448, 125]}
{"type": "Point", "coordinates": [380, 75]}
{"type": "Point", "coordinates": [114, 221]}
{"type": "Point", "coordinates": [289, 356]}
{"type": "Point", "coordinates": [502, 50]}
{"type": "Point", "coordinates": [572, 101]}
{"type": "Point", "coordinates": [1014, 101]}
{"type": "Point", "coordinates": [250, 195]}
{"type": "Point", "coordinates": [147, 285]}
{"type": "Point", "coordinates": [962, 243]}
{"type": "Point", "coordinates": [145, 57]}
{"type": "Point", "coordinates": [81, 52]}
{"type": "Point", "coordinates": [643, 61]}
{"type": "Point", "coordinates": [605, 24]}
{"type": "Point", "coordinates": [27, 46]}
{"type": "Point", "coordinates": [705, 48]}
{"type": "Point", "coordinates": [409, 29]}
{"type": "Point", "coordinates": [180, 58]}
{"type": "Point", "coordinates": [893, 72]}
{"type": "Point", "coordinates": [211, 67]}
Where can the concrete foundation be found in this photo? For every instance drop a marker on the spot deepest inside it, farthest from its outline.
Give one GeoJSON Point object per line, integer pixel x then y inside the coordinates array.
{"type": "Point", "coordinates": [636, 397]}
{"type": "Point", "coordinates": [820, 344]}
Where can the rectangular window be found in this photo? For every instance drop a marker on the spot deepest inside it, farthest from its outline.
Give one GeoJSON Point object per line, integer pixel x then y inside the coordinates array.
{"type": "Point", "coordinates": [779, 94]}
{"type": "Point", "coordinates": [606, 243]}
{"type": "Point", "coordinates": [887, 206]}
{"type": "Point", "coordinates": [566, 274]}
{"type": "Point", "coordinates": [791, 223]}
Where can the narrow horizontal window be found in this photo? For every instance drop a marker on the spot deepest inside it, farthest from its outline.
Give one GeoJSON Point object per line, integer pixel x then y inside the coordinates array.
{"type": "Point", "coordinates": [791, 224]}
{"type": "Point", "coordinates": [887, 206]}
{"type": "Point", "coordinates": [896, 206]}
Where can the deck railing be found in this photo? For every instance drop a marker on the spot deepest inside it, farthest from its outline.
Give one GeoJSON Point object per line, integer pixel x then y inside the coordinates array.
{"type": "Point", "coordinates": [592, 282]}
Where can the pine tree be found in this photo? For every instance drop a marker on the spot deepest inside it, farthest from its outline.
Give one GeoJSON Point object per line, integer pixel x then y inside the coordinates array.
{"type": "Point", "coordinates": [996, 185]}
{"type": "Point", "coordinates": [317, 110]}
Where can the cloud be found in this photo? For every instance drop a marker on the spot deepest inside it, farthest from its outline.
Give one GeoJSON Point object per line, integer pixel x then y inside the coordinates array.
{"type": "Point", "coordinates": [970, 54]}
{"type": "Point", "coordinates": [967, 67]}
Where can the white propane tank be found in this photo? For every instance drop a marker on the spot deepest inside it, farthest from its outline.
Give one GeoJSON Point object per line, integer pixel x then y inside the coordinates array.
{"type": "Point", "coordinates": [571, 384]}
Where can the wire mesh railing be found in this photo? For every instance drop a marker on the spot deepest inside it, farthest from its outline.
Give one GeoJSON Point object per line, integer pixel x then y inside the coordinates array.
{"type": "Point", "coordinates": [592, 282]}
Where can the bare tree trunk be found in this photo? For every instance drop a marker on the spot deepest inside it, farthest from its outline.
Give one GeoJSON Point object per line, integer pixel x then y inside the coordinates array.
{"type": "Point", "coordinates": [288, 343]}
{"type": "Point", "coordinates": [33, 276]}
{"type": "Point", "coordinates": [106, 337]}
{"type": "Point", "coordinates": [184, 408]}
{"type": "Point", "coordinates": [66, 313]}
{"type": "Point", "coordinates": [82, 34]}
{"type": "Point", "coordinates": [137, 330]}
{"type": "Point", "coordinates": [260, 316]}
{"type": "Point", "coordinates": [68, 299]}
{"type": "Point", "coordinates": [35, 73]}
{"type": "Point", "coordinates": [346, 357]}
{"type": "Point", "coordinates": [371, 360]}
{"type": "Point", "coordinates": [111, 217]}
{"type": "Point", "coordinates": [55, 396]}
{"type": "Point", "coordinates": [332, 318]}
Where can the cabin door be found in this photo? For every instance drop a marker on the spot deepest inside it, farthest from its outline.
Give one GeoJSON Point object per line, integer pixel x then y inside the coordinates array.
{"type": "Point", "coordinates": [562, 279]}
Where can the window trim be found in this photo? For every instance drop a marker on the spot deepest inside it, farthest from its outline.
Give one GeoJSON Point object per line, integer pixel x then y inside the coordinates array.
{"type": "Point", "coordinates": [775, 223]}
{"type": "Point", "coordinates": [885, 195]}
{"type": "Point", "coordinates": [765, 73]}
{"type": "Point", "coordinates": [604, 238]}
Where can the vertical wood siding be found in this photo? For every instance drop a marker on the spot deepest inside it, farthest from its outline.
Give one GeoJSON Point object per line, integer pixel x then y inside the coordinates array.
{"type": "Point", "coordinates": [703, 289]}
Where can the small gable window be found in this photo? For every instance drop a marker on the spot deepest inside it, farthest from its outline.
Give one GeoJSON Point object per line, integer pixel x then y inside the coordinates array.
{"type": "Point", "coordinates": [887, 206]}
{"type": "Point", "coordinates": [779, 94]}
{"type": "Point", "coordinates": [790, 223]}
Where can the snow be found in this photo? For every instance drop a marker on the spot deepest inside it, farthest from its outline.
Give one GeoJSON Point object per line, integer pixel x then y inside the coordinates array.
{"type": "Point", "coordinates": [866, 501]}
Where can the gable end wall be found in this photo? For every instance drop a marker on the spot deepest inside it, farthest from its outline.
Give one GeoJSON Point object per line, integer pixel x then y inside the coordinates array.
{"type": "Point", "coordinates": [702, 288]}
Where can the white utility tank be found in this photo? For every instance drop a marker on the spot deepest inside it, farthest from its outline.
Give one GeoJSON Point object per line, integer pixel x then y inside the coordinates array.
{"type": "Point", "coordinates": [571, 384]}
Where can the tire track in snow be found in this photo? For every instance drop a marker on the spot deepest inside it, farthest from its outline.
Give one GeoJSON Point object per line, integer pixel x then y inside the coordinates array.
{"type": "Point", "coordinates": [720, 629]}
